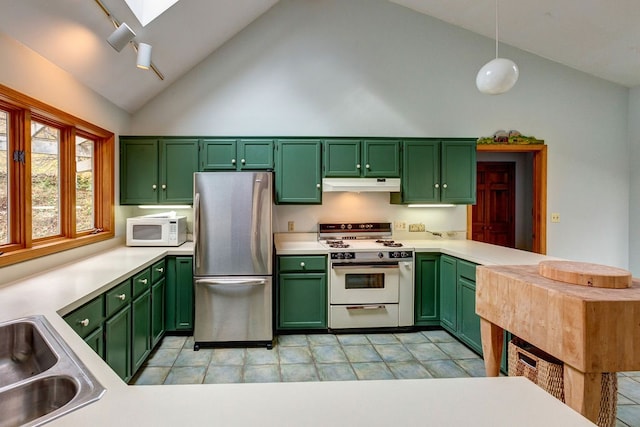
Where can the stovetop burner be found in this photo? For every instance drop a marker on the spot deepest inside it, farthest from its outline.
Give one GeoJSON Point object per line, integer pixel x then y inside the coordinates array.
{"type": "Point", "coordinates": [389, 243]}
{"type": "Point", "coordinates": [336, 244]}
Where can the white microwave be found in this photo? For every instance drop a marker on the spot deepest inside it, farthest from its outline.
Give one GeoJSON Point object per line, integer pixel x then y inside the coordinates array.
{"type": "Point", "coordinates": [156, 231]}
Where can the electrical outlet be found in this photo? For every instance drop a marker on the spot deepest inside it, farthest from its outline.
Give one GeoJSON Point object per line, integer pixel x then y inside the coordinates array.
{"type": "Point", "coordinates": [400, 226]}
{"type": "Point", "coordinates": [416, 227]}
{"type": "Point", "coordinates": [291, 226]}
{"type": "Point", "coordinates": [555, 217]}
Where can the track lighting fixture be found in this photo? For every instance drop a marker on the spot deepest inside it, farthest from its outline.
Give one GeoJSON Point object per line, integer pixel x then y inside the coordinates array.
{"type": "Point", "coordinates": [121, 36]}
{"type": "Point", "coordinates": [144, 56]}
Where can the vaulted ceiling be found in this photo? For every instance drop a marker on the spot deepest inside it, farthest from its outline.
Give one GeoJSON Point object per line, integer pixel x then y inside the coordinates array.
{"type": "Point", "coordinates": [599, 37]}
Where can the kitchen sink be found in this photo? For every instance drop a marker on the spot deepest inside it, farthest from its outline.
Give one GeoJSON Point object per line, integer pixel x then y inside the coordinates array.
{"type": "Point", "coordinates": [40, 377]}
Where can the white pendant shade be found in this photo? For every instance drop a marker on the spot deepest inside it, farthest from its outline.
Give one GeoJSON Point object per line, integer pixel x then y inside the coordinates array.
{"type": "Point", "coordinates": [497, 76]}
{"type": "Point", "coordinates": [144, 56]}
{"type": "Point", "coordinates": [121, 37]}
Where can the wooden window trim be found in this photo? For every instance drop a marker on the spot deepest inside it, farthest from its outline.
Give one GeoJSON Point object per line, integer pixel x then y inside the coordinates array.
{"type": "Point", "coordinates": [22, 248]}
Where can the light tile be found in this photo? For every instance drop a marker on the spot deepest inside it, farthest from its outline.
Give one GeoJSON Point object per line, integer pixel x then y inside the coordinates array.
{"type": "Point", "coordinates": [629, 388]}
{"type": "Point", "coordinates": [261, 356]}
{"type": "Point", "coordinates": [336, 372]}
{"type": "Point", "coordinates": [292, 340]}
{"type": "Point", "coordinates": [411, 338]}
{"type": "Point", "coordinates": [189, 357]}
{"type": "Point", "coordinates": [353, 339]}
{"type": "Point", "coordinates": [322, 339]}
{"type": "Point", "coordinates": [228, 356]}
{"type": "Point", "coordinates": [189, 342]}
{"type": "Point", "coordinates": [172, 342]}
{"type": "Point", "coordinates": [163, 357]}
{"type": "Point", "coordinates": [456, 350]}
{"type": "Point", "coordinates": [361, 353]}
{"type": "Point", "coordinates": [444, 369]}
{"type": "Point", "coordinates": [372, 371]}
{"type": "Point", "coordinates": [328, 354]}
{"type": "Point", "coordinates": [261, 374]}
{"type": "Point", "coordinates": [186, 375]}
{"type": "Point", "coordinates": [438, 336]}
{"type": "Point", "coordinates": [474, 367]}
{"type": "Point", "coordinates": [225, 374]}
{"type": "Point", "coordinates": [299, 372]}
{"type": "Point", "coordinates": [426, 351]}
{"type": "Point", "coordinates": [629, 414]}
{"type": "Point", "coordinates": [622, 400]}
{"type": "Point", "coordinates": [291, 355]}
{"type": "Point", "coordinates": [408, 370]}
{"type": "Point", "coordinates": [152, 375]}
{"type": "Point", "coordinates": [393, 352]}
{"type": "Point", "coordinates": [383, 339]}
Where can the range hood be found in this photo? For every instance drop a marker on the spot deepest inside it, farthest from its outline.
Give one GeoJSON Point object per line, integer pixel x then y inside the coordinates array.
{"type": "Point", "coordinates": [361, 184]}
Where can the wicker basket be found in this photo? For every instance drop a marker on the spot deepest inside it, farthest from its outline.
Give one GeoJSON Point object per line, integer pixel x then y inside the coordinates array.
{"type": "Point", "coordinates": [547, 372]}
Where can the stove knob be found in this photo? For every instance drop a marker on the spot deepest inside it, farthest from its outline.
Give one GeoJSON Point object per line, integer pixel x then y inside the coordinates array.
{"type": "Point", "coordinates": [349, 226]}
{"type": "Point", "coordinates": [406, 254]}
{"type": "Point", "coordinates": [380, 255]}
{"type": "Point", "coordinates": [348, 255]}
{"type": "Point", "coordinates": [362, 225]}
{"type": "Point", "coordinates": [342, 226]}
{"type": "Point", "coordinates": [340, 255]}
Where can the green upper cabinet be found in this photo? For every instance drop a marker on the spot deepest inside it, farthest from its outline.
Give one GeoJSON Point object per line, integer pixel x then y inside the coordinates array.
{"type": "Point", "coordinates": [156, 170]}
{"type": "Point", "coordinates": [438, 171]}
{"type": "Point", "coordinates": [219, 154]}
{"type": "Point", "coordinates": [298, 171]}
{"type": "Point", "coordinates": [379, 158]}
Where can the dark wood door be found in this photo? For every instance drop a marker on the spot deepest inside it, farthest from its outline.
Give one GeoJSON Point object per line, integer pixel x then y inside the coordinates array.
{"type": "Point", "coordinates": [493, 215]}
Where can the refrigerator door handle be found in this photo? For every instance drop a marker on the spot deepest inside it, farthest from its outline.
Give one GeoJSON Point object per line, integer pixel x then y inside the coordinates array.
{"type": "Point", "coordinates": [218, 282]}
{"type": "Point", "coordinates": [196, 227]}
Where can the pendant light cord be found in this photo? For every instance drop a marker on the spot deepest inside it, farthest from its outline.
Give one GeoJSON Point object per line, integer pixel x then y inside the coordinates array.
{"type": "Point", "coordinates": [496, 29]}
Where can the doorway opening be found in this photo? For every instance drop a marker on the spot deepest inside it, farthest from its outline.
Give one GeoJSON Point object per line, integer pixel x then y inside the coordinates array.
{"type": "Point", "coordinates": [530, 189]}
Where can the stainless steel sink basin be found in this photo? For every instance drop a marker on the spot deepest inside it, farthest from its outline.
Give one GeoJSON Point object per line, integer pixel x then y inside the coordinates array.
{"type": "Point", "coordinates": [23, 353]}
{"type": "Point", "coordinates": [40, 377]}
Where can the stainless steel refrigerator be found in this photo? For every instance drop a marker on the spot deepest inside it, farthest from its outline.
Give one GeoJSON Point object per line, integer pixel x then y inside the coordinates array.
{"type": "Point", "coordinates": [233, 258]}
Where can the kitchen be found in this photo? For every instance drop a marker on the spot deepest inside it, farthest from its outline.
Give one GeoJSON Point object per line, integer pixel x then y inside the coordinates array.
{"type": "Point", "coordinates": [589, 148]}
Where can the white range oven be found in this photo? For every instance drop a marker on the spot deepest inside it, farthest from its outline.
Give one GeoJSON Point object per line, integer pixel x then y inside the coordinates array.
{"type": "Point", "coordinates": [370, 277]}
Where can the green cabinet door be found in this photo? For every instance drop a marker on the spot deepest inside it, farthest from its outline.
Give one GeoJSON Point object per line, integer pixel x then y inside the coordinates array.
{"type": "Point", "coordinates": [342, 158]}
{"type": "Point", "coordinates": [117, 342]}
{"type": "Point", "coordinates": [179, 294]}
{"type": "Point", "coordinates": [255, 154]}
{"type": "Point", "coordinates": [458, 172]}
{"type": "Point", "coordinates": [157, 311]}
{"type": "Point", "coordinates": [140, 329]}
{"type": "Point", "coordinates": [420, 172]}
{"type": "Point", "coordinates": [298, 172]}
{"type": "Point", "coordinates": [178, 162]}
{"type": "Point", "coordinates": [218, 154]}
{"type": "Point", "coordinates": [381, 158]}
{"type": "Point", "coordinates": [448, 293]}
{"type": "Point", "coordinates": [138, 171]}
{"type": "Point", "coordinates": [427, 284]}
{"type": "Point", "coordinates": [95, 340]}
{"type": "Point", "coordinates": [302, 301]}
{"type": "Point", "coordinates": [468, 320]}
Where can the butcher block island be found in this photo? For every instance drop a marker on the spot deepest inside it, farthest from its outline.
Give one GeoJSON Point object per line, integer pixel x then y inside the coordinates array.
{"type": "Point", "coordinates": [592, 330]}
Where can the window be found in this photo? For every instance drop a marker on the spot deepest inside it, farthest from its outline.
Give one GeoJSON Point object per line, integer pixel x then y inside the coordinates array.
{"type": "Point", "coordinates": [56, 180]}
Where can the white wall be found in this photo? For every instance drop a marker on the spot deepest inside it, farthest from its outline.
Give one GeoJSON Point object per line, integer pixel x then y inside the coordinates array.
{"type": "Point", "coordinates": [31, 74]}
{"type": "Point", "coordinates": [369, 67]}
{"type": "Point", "coordinates": [634, 202]}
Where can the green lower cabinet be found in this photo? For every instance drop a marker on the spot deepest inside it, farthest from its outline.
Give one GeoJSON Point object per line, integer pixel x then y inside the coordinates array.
{"type": "Point", "coordinates": [179, 294]}
{"type": "Point", "coordinates": [95, 340]}
{"type": "Point", "coordinates": [302, 301]}
{"type": "Point", "coordinates": [427, 295]}
{"type": "Point", "coordinates": [468, 320]}
{"type": "Point", "coordinates": [117, 342]}
{"type": "Point", "coordinates": [140, 329]}
{"type": "Point", "coordinates": [157, 311]}
{"type": "Point", "coordinates": [448, 293]}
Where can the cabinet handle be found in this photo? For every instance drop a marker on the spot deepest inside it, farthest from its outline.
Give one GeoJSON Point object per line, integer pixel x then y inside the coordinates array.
{"type": "Point", "coordinates": [154, 186]}
{"type": "Point", "coordinates": [437, 186]}
{"type": "Point", "coordinates": [233, 161]}
{"type": "Point", "coordinates": [243, 161]}
{"type": "Point", "coordinates": [317, 185]}
{"type": "Point", "coordinates": [368, 166]}
{"type": "Point", "coordinates": [444, 185]}
{"type": "Point", "coordinates": [164, 186]}
{"type": "Point", "coordinates": [143, 281]}
{"type": "Point", "coordinates": [121, 297]}
{"type": "Point", "coordinates": [358, 166]}
{"type": "Point", "coordinates": [84, 322]}
{"type": "Point", "coordinates": [160, 270]}
{"type": "Point", "coordinates": [302, 264]}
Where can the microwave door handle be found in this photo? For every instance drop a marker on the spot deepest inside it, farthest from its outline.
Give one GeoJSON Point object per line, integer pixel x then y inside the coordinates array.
{"type": "Point", "coordinates": [196, 227]}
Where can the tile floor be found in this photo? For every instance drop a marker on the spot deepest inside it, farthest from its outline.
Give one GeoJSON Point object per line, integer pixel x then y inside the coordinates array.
{"type": "Point", "coordinates": [327, 357]}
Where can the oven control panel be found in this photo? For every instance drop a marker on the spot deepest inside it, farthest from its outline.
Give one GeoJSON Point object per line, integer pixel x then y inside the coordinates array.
{"type": "Point", "coordinates": [373, 255]}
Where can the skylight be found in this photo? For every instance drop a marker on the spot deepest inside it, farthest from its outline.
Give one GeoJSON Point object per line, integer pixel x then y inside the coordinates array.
{"type": "Point", "coordinates": [148, 10]}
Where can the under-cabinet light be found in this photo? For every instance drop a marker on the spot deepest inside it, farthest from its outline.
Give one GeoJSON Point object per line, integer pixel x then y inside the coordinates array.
{"type": "Point", "coordinates": [430, 206]}
{"type": "Point", "coordinates": [164, 206]}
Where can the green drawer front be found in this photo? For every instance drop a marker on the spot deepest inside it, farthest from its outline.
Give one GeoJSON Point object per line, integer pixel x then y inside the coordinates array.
{"type": "Point", "coordinates": [157, 271]}
{"type": "Point", "coordinates": [467, 269]}
{"type": "Point", "coordinates": [141, 282]}
{"type": "Point", "coordinates": [303, 263]}
{"type": "Point", "coordinates": [87, 318]}
{"type": "Point", "coordinates": [118, 297]}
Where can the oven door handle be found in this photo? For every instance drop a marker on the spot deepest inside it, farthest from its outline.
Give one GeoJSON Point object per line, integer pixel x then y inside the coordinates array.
{"type": "Point", "coordinates": [366, 307]}
{"type": "Point", "coordinates": [353, 266]}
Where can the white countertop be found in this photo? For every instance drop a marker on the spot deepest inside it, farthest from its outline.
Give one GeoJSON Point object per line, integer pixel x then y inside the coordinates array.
{"type": "Point", "coordinates": [504, 401]}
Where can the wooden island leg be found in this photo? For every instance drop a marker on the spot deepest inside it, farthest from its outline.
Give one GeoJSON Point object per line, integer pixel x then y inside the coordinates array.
{"type": "Point", "coordinates": [492, 341]}
{"type": "Point", "coordinates": [582, 392]}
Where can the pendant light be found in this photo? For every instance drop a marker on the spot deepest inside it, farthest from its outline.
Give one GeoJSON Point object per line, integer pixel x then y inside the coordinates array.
{"type": "Point", "coordinates": [498, 75]}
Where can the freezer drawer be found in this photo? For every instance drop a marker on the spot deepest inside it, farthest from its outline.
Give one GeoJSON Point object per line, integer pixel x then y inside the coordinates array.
{"type": "Point", "coordinates": [233, 309]}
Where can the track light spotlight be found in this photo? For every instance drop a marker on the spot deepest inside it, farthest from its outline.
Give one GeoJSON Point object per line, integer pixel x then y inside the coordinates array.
{"type": "Point", "coordinates": [144, 56]}
{"type": "Point", "coordinates": [121, 37]}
